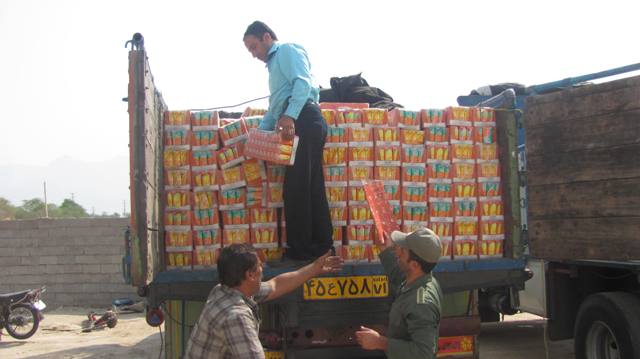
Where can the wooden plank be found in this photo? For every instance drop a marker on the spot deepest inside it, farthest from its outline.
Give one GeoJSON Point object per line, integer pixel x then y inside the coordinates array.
{"type": "Point", "coordinates": [613, 198]}
{"type": "Point", "coordinates": [585, 238]}
{"type": "Point", "coordinates": [507, 147]}
{"type": "Point", "coordinates": [591, 132]}
{"type": "Point", "coordinates": [599, 164]}
{"type": "Point", "coordinates": [593, 100]}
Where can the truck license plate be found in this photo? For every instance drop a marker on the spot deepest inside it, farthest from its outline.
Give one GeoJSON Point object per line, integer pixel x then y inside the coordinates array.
{"type": "Point", "coordinates": [273, 355]}
{"type": "Point", "coordinates": [324, 288]}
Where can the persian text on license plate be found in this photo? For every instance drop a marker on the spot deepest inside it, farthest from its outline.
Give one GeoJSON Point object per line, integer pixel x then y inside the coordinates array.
{"type": "Point", "coordinates": [376, 286]}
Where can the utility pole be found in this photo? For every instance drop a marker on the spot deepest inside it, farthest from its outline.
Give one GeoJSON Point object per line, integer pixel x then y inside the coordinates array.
{"type": "Point", "coordinates": [124, 207]}
{"type": "Point", "coordinates": [46, 206]}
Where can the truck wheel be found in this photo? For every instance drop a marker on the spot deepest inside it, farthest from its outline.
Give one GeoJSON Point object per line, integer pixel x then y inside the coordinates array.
{"type": "Point", "coordinates": [608, 326]}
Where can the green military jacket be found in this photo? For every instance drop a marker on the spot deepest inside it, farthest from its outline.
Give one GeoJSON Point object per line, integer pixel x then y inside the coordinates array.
{"type": "Point", "coordinates": [415, 313]}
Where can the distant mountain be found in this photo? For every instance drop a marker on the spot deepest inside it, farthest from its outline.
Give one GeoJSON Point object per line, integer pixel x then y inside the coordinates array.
{"type": "Point", "coordinates": [96, 186]}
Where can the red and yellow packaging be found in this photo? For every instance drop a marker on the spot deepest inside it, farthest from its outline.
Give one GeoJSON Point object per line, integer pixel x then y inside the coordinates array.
{"type": "Point", "coordinates": [336, 136]}
{"type": "Point", "coordinates": [177, 179]}
{"type": "Point", "coordinates": [440, 190]}
{"type": "Point", "coordinates": [205, 118]}
{"type": "Point", "coordinates": [410, 136]}
{"type": "Point", "coordinates": [432, 116]}
{"type": "Point", "coordinates": [490, 189]}
{"type": "Point", "coordinates": [464, 171]}
{"type": "Point", "coordinates": [462, 151]}
{"type": "Point", "coordinates": [176, 158]}
{"type": "Point", "coordinates": [404, 118]}
{"type": "Point", "coordinates": [274, 197]}
{"type": "Point", "coordinates": [414, 196]}
{"type": "Point", "coordinates": [334, 156]}
{"type": "Point", "coordinates": [254, 171]}
{"type": "Point", "coordinates": [360, 136]}
{"type": "Point", "coordinates": [437, 152]}
{"type": "Point", "coordinates": [179, 199]}
{"type": "Point", "coordinates": [458, 115]}
{"type": "Point", "coordinates": [176, 118]}
{"type": "Point", "coordinates": [485, 134]}
{"type": "Point", "coordinates": [335, 175]}
{"type": "Point", "coordinates": [487, 152]}
{"type": "Point", "coordinates": [179, 260]}
{"type": "Point", "coordinates": [374, 117]}
{"type": "Point", "coordinates": [414, 175]}
{"type": "Point", "coordinates": [205, 218]}
{"type": "Point", "coordinates": [208, 238]}
{"type": "Point", "coordinates": [392, 193]}
{"type": "Point", "coordinates": [233, 132]}
{"type": "Point", "coordinates": [357, 174]}
{"type": "Point", "coordinates": [413, 154]}
{"type": "Point", "coordinates": [444, 230]}
{"type": "Point", "coordinates": [263, 216]}
{"type": "Point", "coordinates": [177, 218]}
{"type": "Point", "coordinates": [336, 196]}
{"type": "Point", "coordinates": [205, 258]}
{"type": "Point", "coordinates": [488, 171]}
{"type": "Point", "coordinates": [232, 177]}
{"type": "Point", "coordinates": [232, 217]}
{"type": "Point", "coordinates": [230, 156]}
{"type": "Point", "coordinates": [204, 138]}
{"type": "Point", "coordinates": [360, 214]}
{"type": "Point", "coordinates": [232, 198]}
{"type": "Point", "coordinates": [339, 215]}
{"type": "Point", "coordinates": [350, 117]}
{"type": "Point", "coordinates": [436, 134]}
{"type": "Point", "coordinates": [360, 156]}
{"type": "Point", "coordinates": [389, 136]}
{"type": "Point", "coordinates": [256, 195]}
{"type": "Point", "coordinates": [269, 146]}
{"type": "Point", "coordinates": [439, 172]}
{"type": "Point", "coordinates": [440, 209]}
{"type": "Point", "coordinates": [491, 208]}
{"type": "Point", "coordinates": [205, 178]}
{"type": "Point", "coordinates": [275, 174]}
{"type": "Point", "coordinates": [329, 116]}
{"type": "Point", "coordinates": [491, 229]}
{"type": "Point", "coordinates": [354, 253]}
{"type": "Point", "coordinates": [268, 255]}
{"type": "Point", "coordinates": [465, 207]}
{"type": "Point", "coordinates": [356, 195]}
{"type": "Point", "coordinates": [465, 189]}
{"type": "Point", "coordinates": [203, 157]}
{"type": "Point", "coordinates": [414, 214]}
{"type": "Point", "coordinates": [205, 199]}
{"type": "Point", "coordinates": [360, 234]}
{"type": "Point", "coordinates": [177, 137]}
{"type": "Point", "coordinates": [465, 249]}
{"type": "Point", "coordinates": [492, 248]}
{"type": "Point", "coordinates": [235, 235]}
{"type": "Point", "coordinates": [178, 241]}
{"type": "Point", "coordinates": [483, 115]}
{"type": "Point", "coordinates": [387, 155]}
{"type": "Point", "coordinates": [264, 237]}
{"type": "Point", "coordinates": [465, 229]}
{"type": "Point", "coordinates": [337, 235]}
{"type": "Point", "coordinates": [461, 134]}
{"type": "Point", "coordinates": [388, 174]}
{"type": "Point", "coordinates": [446, 249]}
{"type": "Point", "coordinates": [253, 121]}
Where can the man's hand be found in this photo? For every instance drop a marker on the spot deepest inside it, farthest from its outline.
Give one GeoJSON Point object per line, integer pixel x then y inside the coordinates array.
{"type": "Point", "coordinates": [370, 339]}
{"type": "Point", "coordinates": [388, 243]}
{"type": "Point", "coordinates": [328, 264]}
{"type": "Point", "coordinates": [286, 127]}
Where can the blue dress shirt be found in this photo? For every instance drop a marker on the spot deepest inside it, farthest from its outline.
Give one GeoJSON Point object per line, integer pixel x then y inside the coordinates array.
{"type": "Point", "coordinates": [289, 78]}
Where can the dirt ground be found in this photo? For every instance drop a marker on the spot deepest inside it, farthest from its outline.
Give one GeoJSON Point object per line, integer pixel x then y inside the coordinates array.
{"type": "Point", "coordinates": [60, 336]}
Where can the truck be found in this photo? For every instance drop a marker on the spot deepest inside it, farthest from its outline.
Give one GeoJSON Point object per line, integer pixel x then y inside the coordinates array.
{"type": "Point", "coordinates": [580, 166]}
{"type": "Point", "coordinates": [310, 322]}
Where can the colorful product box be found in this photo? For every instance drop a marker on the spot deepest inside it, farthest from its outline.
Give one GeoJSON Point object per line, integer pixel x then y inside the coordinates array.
{"type": "Point", "coordinates": [256, 195]}
{"type": "Point", "coordinates": [439, 172]}
{"type": "Point", "coordinates": [329, 116]}
{"type": "Point", "coordinates": [230, 156]}
{"type": "Point", "coordinates": [336, 137]}
{"type": "Point", "coordinates": [177, 220]}
{"type": "Point", "coordinates": [177, 137]}
{"type": "Point", "coordinates": [343, 105]}
{"type": "Point", "coordinates": [233, 217]}
{"type": "Point", "coordinates": [360, 214]}
{"type": "Point", "coordinates": [414, 196]}
{"type": "Point", "coordinates": [207, 238]}
{"type": "Point", "coordinates": [483, 115]}
{"type": "Point", "coordinates": [417, 214]}
{"type": "Point", "coordinates": [275, 174]}
{"type": "Point", "coordinates": [487, 152]}
{"type": "Point", "coordinates": [274, 197]}
{"type": "Point", "coordinates": [461, 134]}
{"type": "Point", "coordinates": [432, 116]}
{"type": "Point", "coordinates": [337, 196]}
{"type": "Point", "coordinates": [352, 254]}
{"type": "Point", "coordinates": [205, 258]}
{"type": "Point", "coordinates": [490, 189]}
{"type": "Point", "coordinates": [387, 155]}
{"type": "Point", "coordinates": [488, 171]}
{"type": "Point", "coordinates": [335, 176]}
{"type": "Point", "coordinates": [441, 190]}
{"type": "Point", "coordinates": [374, 251]}
{"type": "Point", "coordinates": [337, 235]}
{"type": "Point", "coordinates": [264, 237]}
{"type": "Point", "coordinates": [356, 195]}
{"type": "Point", "coordinates": [207, 138]}
{"type": "Point", "coordinates": [178, 199]}
{"type": "Point", "coordinates": [236, 235]}
{"type": "Point", "coordinates": [485, 134]}
{"type": "Point", "coordinates": [465, 189]}
{"type": "Point", "coordinates": [179, 260]}
{"type": "Point", "coordinates": [254, 171]}
{"type": "Point", "coordinates": [360, 234]}
{"type": "Point", "coordinates": [360, 156]}
{"type": "Point", "coordinates": [413, 155]}
{"type": "Point", "coordinates": [404, 118]}
{"type": "Point", "coordinates": [205, 119]}
{"type": "Point", "coordinates": [458, 116]}
{"type": "Point", "coordinates": [232, 198]}
{"type": "Point", "coordinates": [232, 177]}
{"type": "Point", "coordinates": [177, 179]}
{"type": "Point", "coordinates": [202, 158]}
{"type": "Point", "coordinates": [374, 117]}
{"type": "Point", "coordinates": [388, 136]}
{"type": "Point", "coordinates": [491, 209]}
{"type": "Point", "coordinates": [176, 158]}
{"type": "Point", "coordinates": [270, 255]}
{"type": "Point", "coordinates": [491, 229]}
{"type": "Point", "coordinates": [176, 118]}
{"type": "Point", "coordinates": [437, 152]}
{"type": "Point", "coordinates": [269, 146]}
{"type": "Point", "coordinates": [415, 176]}
{"type": "Point", "coordinates": [444, 230]}
{"type": "Point", "coordinates": [392, 193]}
{"type": "Point", "coordinates": [492, 248]}
{"type": "Point", "coordinates": [205, 199]}
{"type": "Point", "coordinates": [357, 174]}
{"type": "Point", "coordinates": [339, 216]}
{"type": "Point", "coordinates": [233, 132]}
{"type": "Point", "coordinates": [465, 229]}
{"type": "Point", "coordinates": [462, 152]}
{"type": "Point", "coordinates": [465, 208]}
{"type": "Point", "coordinates": [410, 136]}
{"type": "Point", "coordinates": [387, 174]}
{"type": "Point", "coordinates": [253, 121]}
{"type": "Point", "coordinates": [360, 137]}
{"type": "Point", "coordinates": [440, 210]}
{"type": "Point", "coordinates": [412, 226]}
{"type": "Point", "coordinates": [178, 241]}
{"type": "Point", "coordinates": [463, 171]}
{"type": "Point", "coordinates": [249, 112]}
{"type": "Point", "coordinates": [205, 178]}
{"type": "Point", "coordinates": [465, 249]}
{"type": "Point", "coordinates": [205, 218]}
{"type": "Point", "coordinates": [334, 156]}
{"type": "Point", "coordinates": [446, 250]}
{"type": "Point", "coordinates": [350, 118]}
{"type": "Point", "coordinates": [259, 216]}
{"type": "Point", "coordinates": [436, 134]}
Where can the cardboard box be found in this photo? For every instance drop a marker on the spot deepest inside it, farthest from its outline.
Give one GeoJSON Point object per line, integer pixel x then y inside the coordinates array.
{"type": "Point", "coordinates": [485, 134]}
{"type": "Point", "coordinates": [439, 172]}
{"type": "Point", "coordinates": [177, 219]}
{"type": "Point", "coordinates": [178, 241]}
{"type": "Point", "coordinates": [205, 178]}
{"type": "Point", "coordinates": [413, 154]}
{"type": "Point", "coordinates": [440, 190]}
{"type": "Point", "coordinates": [209, 119]}
{"type": "Point", "coordinates": [253, 121]}
{"type": "Point", "coordinates": [440, 209]}
{"type": "Point", "coordinates": [334, 156]}
{"type": "Point", "coordinates": [387, 174]}
{"type": "Point", "coordinates": [256, 195]}
{"type": "Point", "coordinates": [206, 157]}
{"type": "Point", "coordinates": [374, 117]}
{"type": "Point", "coordinates": [465, 207]}
{"type": "Point", "coordinates": [177, 137]}
{"type": "Point", "coordinates": [438, 152]}
{"type": "Point", "coordinates": [360, 234]}
{"type": "Point", "coordinates": [179, 260]}
{"type": "Point", "coordinates": [437, 133]}
{"type": "Point", "coordinates": [488, 171]}
{"type": "Point", "coordinates": [387, 155]}
{"type": "Point", "coordinates": [387, 136]}
{"type": "Point", "coordinates": [233, 217]}
{"type": "Point", "coordinates": [205, 218]}
{"type": "Point", "coordinates": [432, 116]}
{"type": "Point", "coordinates": [233, 132]}
{"type": "Point", "coordinates": [207, 238]}
{"type": "Point", "coordinates": [205, 138]}
{"type": "Point", "coordinates": [232, 177]}
{"type": "Point", "coordinates": [491, 248]}
{"type": "Point", "coordinates": [360, 214]}
{"type": "Point", "coordinates": [265, 237]}
{"type": "Point", "coordinates": [357, 174]}
{"type": "Point", "coordinates": [176, 118]}
{"type": "Point", "coordinates": [349, 118]}
{"type": "Point", "coordinates": [337, 196]}
{"type": "Point", "coordinates": [462, 152]}
{"type": "Point", "coordinates": [360, 137]}
{"type": "Point", "coordinates": [404, 118]}
{"type": "Point", "coordinates": [335, 176]}
{"type": "Point", "coordinates": [461, 134]}
{"type": "Point", "coordinates": [444, 229]}
{"type": "Point", "coordinates": [411, 214]}
{"type": "Point", "coordinates": [232, 198]}
{"type": "Point", "coordinates": [177, 179]}
{"type": "Point", "coordinates": [465, 249]}
{"type": "Point", "coordinates": [205, 199]}
{"type": "Point", "coordinates": [336, 136]}
{"type": "Point", "coordinates": [410, 136]}
{"type": "Point", "coordinates": [339, 216]}
{"type": "Point", "coordinates": [487, 152]}
{"type": "Point", "coordinates": [178, 158]}
{"type": "Point", "coordinates": [415, 176]}
{"type": "Point", "coordinates": [361, 156]}
{"type": "Point", "coordinates": [465, 189]}
{"type": "Point", "coordinates": [230, 156]}
{"type": "Point", "coordinates": [235, 234]}
{"type": "Point", "coordinates": [269, 146]}
{"type": "Point", "coordinates": [205, 258]}
{"type": "Point", "coordinates": [178, 200]}
{"type": "Point", "coordinates": [329, 116]}
{"type": "Point", "coordinates": [464, 171]}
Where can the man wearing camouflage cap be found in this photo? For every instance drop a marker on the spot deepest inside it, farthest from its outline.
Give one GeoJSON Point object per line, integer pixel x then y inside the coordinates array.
{"type": "Point", "coordinates": [408, 259]}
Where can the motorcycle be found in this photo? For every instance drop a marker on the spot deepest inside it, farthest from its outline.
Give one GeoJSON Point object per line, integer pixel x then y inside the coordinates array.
{"type": "Point", "coordinates": [21, 312]}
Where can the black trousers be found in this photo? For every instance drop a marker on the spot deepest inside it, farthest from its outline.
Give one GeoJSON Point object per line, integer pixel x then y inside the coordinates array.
{"type": "Point", "coordinates": [308, 226]}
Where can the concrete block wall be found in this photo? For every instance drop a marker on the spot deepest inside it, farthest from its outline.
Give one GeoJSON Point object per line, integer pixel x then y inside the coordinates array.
{"type": "Point", "coordinates": [79, 260]}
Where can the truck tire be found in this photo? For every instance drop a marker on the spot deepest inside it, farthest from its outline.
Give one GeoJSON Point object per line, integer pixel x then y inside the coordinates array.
{"type": "Point", "coordinates": [608, 326]}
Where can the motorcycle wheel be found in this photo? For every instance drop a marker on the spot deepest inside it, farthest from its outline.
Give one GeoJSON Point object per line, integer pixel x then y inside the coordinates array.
{"type": "Point", "coordinates": [23, 321]}
{"type": "Point", "coordinates": [111, 322]}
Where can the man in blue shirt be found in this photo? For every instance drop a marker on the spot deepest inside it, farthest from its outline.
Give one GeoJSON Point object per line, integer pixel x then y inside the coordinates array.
{"type": "Point", "coordinates": [293, 110]}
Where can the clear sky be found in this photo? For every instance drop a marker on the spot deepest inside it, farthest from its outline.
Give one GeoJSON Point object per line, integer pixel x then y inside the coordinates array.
{"type": "Point", "coordinates": [63, 66]}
